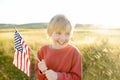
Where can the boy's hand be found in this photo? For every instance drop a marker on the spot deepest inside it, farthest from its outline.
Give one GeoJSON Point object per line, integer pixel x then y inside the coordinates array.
{"type": "Point", "coordinates": [42, 66]}
{"type": "Point", "coordinates": [51, 75]}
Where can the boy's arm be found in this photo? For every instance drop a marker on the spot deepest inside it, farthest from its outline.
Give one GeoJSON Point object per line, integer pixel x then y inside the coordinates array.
{"type": "Point", "coordinates": [76, 70]}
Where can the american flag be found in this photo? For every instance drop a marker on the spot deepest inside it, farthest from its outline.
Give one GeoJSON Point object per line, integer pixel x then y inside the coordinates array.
{"type": "Point", "coordinates": [22, 54]}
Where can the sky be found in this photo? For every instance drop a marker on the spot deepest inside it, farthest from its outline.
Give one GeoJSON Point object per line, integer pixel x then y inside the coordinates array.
{"type": "Point", "coordinates": [101, 12]}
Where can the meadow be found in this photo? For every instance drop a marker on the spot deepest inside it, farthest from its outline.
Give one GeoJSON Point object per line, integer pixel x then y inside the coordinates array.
{"type": "Point", "coordinates": [100, 51]}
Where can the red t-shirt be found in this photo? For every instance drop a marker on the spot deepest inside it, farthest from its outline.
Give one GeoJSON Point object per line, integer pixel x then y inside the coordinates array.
{"type": "Point", "coordinates": [66, 62]}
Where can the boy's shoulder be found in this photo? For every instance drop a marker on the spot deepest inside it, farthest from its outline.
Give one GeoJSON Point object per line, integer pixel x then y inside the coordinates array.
{"type": "Point", "coordinates": [75, 48]}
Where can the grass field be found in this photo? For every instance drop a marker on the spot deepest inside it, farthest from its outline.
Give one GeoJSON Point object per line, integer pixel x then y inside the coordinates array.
{"type": "Point", "coordinates": [100, 50]}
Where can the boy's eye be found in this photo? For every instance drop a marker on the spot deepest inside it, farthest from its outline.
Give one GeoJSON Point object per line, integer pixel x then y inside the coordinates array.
{"type": "Point", "coordinates": [58, 33]}
{"type": "Point", "coordinates": [67, 33]}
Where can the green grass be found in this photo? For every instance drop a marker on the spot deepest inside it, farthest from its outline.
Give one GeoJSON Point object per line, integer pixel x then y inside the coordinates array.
{"type": "Point", "coordinates": [99, 50]}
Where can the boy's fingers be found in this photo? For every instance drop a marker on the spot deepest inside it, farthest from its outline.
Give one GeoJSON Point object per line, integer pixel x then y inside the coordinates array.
{"type": "Point", "coordinates": [43, 60]}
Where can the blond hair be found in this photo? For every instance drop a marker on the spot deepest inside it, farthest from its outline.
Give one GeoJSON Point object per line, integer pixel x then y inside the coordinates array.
{"type": "Point", "coordinates": [58, 22]}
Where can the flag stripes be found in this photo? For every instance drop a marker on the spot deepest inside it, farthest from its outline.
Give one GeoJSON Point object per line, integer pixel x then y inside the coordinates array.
{"type": "Point", "coordinates": [22, 54]}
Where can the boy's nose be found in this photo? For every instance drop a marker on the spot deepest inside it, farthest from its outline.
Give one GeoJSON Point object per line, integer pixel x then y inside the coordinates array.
{"type": "Point", "coordinates": [63, 37]}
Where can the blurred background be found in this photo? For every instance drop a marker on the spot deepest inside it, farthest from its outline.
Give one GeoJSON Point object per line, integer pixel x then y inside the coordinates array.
{"type": "Point", "coordinates": [96, 34]}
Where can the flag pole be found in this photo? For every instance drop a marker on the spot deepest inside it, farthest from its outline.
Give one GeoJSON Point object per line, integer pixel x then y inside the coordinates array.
{"type": "Point", "coordinates": [35, 56]}
{"type": "Point", "coordinates": [15, 28]}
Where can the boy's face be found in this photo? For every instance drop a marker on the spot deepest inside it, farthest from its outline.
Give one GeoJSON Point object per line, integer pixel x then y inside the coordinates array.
{"type": "Point", "coordinates": [61, 38]}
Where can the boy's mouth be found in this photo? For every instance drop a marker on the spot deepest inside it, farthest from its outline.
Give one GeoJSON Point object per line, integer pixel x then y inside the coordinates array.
{"type": "Point", "coordinates": [61, 43]}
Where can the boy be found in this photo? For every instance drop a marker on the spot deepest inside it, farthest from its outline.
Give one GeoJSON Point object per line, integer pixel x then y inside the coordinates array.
{"type": "Point", "coordinates": [59, 60]}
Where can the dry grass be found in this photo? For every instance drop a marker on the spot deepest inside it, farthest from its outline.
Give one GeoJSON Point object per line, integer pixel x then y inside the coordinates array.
{"type": "Point", "coordinates": [99, 50]}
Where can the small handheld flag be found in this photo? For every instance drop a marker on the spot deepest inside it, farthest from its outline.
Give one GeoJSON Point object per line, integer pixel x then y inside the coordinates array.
{"type": "Point", "coordinates": [22, 54]}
